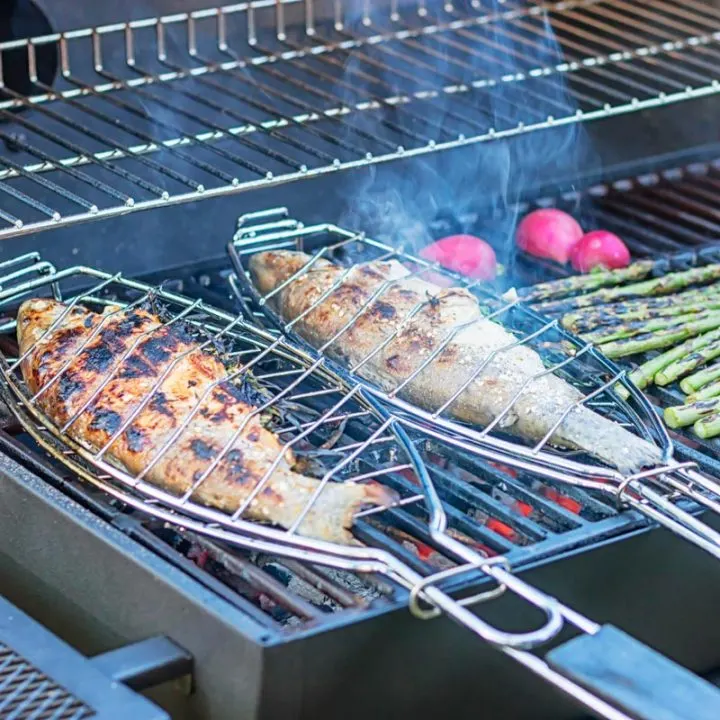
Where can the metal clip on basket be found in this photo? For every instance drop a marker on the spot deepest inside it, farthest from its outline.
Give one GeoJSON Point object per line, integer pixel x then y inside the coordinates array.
{"type": "Point", "coordinates": [584, 668]}
{"type": "Point", "coordinates": [672, 493]}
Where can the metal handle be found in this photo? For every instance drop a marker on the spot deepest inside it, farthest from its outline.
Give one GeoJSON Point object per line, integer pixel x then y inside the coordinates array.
{"type": "Point", "coordinates": [635, 678]}
{"type": "Point", "coordinates": [511, 644]}
{"type": "Point", "coordinates": [425, 588]}
{"type": "Point", "coordinates": [666, 513]}
{"type": "Point", "coordinates": [604, 670]}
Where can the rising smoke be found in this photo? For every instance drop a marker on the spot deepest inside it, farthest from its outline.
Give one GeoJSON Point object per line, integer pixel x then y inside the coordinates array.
{"type": "Point", "coordinates": [499, 68]}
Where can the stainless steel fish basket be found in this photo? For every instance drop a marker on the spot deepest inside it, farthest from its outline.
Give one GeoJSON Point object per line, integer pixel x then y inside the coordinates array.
{"type": "Point", "coordinates": [315, 407]}
{"type": "Point", "coordinates": [654, 491]}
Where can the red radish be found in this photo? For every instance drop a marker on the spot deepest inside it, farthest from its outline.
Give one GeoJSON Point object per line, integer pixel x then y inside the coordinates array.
{"type": "Point", "coordinates": [548, 233]}
{"type": "Point", "coordinates": [466, 254]}
{"type": "Point", "coordinates": [600, 248]}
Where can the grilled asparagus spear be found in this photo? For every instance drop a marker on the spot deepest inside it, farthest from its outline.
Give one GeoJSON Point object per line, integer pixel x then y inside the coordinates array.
{"type": "Point", "coordinates": [693, 383]}
{"type": "Point", "coordinates": [711, 390]}
{"type": "Point", "coordinates": [708, 426]}
{"type": "Point", "coordinates": [582, 283]}
{"type": "Point", "coordinates": [684, 415]}
{"type": "Point", "coordinates": [660, 339]}
{"type": "Point", "coordinates": [643, 375]}
{"type": "Point", "coordinates": [638, 327]}
{"type": "Point", "coordinates": [687, 364]}
{"type": "Point", "coordinates": [694, 301]}
{"type": "Point", "coordinates": [647, 288]}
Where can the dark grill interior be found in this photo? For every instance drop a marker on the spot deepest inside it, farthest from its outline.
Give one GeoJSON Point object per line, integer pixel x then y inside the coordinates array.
{"type": "Point", "coordinates": [666, 211]}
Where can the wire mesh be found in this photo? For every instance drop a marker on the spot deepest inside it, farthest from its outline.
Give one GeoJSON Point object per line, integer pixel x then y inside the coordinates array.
{"type": "Point", "coordinates": [652, 489]}
{"type": "Point", "coordinates": [27, 693]}
{"type": "Point", "coordinates": [195, 105]}
{"type": "Point", "coordinates": [279, 388]}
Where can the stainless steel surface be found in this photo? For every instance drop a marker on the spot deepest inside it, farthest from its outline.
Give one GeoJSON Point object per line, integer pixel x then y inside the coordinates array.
{"type": "Point", "coordinates": [219, 101]}
{"type": "Point", "coordinates": [653, 491]}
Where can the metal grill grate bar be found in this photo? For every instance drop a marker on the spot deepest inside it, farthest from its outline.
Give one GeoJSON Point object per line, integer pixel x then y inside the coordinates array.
{"type": "Point", "coordinates": [169, 110]}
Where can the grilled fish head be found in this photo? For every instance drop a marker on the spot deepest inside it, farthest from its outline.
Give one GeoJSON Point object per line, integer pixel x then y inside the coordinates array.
{"type": "Point", "coordinates": [270, 269]}
{"type": "Point", "coordinates": [35, 317]}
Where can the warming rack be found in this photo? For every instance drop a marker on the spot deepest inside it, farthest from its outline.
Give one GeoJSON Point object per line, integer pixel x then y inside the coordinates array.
{"type": "Point", "coordinates": [564, 667]}
{"type": "Point", "coordinates": [652, 491]}
{"type": "Point", "coordinates": [197, 105]}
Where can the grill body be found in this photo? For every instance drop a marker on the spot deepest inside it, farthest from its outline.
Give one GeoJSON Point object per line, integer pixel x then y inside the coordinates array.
{"type": "Point", "coordinates": [98, 586]}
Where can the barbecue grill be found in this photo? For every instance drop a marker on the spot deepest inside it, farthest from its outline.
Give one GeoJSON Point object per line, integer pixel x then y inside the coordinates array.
{"type": "Point", "coordinates": [194, 106]}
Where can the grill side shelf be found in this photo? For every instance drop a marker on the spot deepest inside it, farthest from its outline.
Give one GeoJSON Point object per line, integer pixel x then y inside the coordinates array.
{"type": "Point", "coordinates": [40, 675]}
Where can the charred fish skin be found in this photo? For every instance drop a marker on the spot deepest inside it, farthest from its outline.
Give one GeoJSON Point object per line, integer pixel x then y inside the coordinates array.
{"type": "Point", "coordinates": [117, 360]}
{"type": "Point", "coordinates": [410, 320]}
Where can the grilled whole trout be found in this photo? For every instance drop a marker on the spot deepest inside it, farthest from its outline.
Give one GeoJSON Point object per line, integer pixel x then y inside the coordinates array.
{"type": "Point", "coordinates": [218, 417]}
{"type": "Point", "coordinates": [424, 315]}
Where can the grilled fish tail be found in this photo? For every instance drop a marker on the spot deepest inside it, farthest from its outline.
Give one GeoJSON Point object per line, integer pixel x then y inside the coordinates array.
{"type": "Point", "coordinates": [605, 440]}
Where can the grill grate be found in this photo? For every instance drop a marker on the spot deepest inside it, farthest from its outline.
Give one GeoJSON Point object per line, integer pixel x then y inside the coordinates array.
{"type": "Point", "coordinates": [26, 693]}
{"type": "Point", "coordinates": [656, 213]}
{"type": "Point", "coordinates": [174, 109]}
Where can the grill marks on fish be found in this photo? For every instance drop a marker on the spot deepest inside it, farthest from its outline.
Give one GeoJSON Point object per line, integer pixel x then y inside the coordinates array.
{"type": "Point", "coordinates": [388, 348]}
{"type": "Point", "coordinates": [106, 387]}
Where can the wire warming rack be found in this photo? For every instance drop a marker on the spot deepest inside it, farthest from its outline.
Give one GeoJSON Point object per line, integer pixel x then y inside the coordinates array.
{"type": "Point", "coordinates": [218, 101]}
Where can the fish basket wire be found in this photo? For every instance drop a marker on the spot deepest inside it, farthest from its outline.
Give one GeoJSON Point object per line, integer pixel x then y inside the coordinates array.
{"type": "Point", "coordinates": [654, 491]}
{"type": "Point", "coordinates": [315, 409]}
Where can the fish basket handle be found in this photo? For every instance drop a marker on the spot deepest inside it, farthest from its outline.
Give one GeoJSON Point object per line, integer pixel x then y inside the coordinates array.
{"type": "Point", "coordinates": [604, 670]}
{"type": "Point", "coordinates": [684, 479]}
{"type": "Point", "coordinates": [427, 601]}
